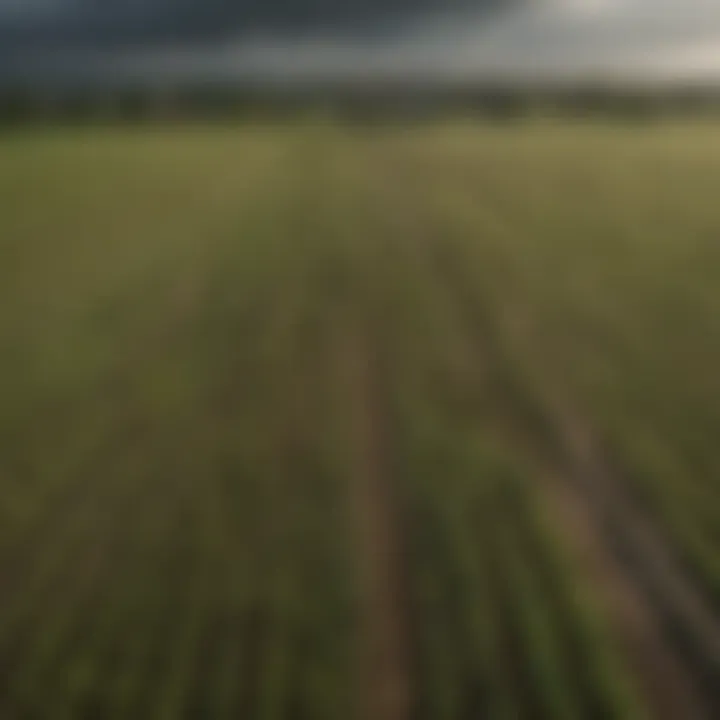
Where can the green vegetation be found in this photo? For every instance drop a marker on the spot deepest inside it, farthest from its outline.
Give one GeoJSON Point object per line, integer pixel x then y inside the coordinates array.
{"type": "Point", "coordinates": [290, 415]}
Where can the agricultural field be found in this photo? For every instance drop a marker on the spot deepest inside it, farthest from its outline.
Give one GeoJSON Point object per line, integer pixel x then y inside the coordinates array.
{"type": "Point", "coordinates": [316, 422]}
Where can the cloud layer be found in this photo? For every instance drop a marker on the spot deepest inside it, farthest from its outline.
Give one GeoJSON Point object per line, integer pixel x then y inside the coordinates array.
{"type": "Point", "coordinates": [186, 39]}
{"type": "Point", "coordinates": [75, 23]}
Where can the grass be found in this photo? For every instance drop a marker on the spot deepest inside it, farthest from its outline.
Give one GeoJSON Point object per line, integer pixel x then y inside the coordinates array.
{"type": "Point", "coordinates": [177, 531]}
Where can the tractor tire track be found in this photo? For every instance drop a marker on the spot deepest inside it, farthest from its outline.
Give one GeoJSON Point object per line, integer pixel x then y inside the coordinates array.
{"type": "Point", "coordinates": [633, 536]}
{"type": "Point", "coordinates": [676, 634]}
{"type": "Point", "coordinates": [660, 675]}
{"type": "Point", "coordinates": [668, 634]}
{"type": "Point", "coordinates": [385, 662]}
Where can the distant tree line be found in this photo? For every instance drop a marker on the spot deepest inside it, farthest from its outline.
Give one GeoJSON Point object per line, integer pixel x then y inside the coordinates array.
{"type": "Point", "coordinates": [362, 103]}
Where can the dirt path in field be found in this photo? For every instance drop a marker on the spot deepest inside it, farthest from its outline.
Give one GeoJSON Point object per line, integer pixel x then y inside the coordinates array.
{"type": "Point", "coordinates": [688, 622]}
{"type": "Point", "coordinates": [662, 620]}
{"type": "Point", "coordinates": [385, 686]}
{"type": "Point", "coordinates": [667, 633]}
{"type": "Point", "coordinates": [662, 678]}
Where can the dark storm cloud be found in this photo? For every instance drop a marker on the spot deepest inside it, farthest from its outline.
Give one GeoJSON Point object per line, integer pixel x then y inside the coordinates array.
{"type": "Point", "coordinates": [76, 23]}
{"type": "Point", "coordinates": [542, 39]}
{"type": "Point", "coordinates": [205, 39]}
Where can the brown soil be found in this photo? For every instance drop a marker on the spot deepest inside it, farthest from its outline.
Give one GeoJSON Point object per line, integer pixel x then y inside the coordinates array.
{"type": "Point", "coordinates": [660, 676]}
{"type": "Point", "coordinates": [578, 495]}
{"type": "Point", "coordinates": [672, 597]}
{"type": "Point", "coordinates": [385, 662]}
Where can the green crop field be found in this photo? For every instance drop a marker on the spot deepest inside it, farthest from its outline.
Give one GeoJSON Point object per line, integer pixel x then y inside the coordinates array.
{"type": "Point", "coordinates": [321, 423]}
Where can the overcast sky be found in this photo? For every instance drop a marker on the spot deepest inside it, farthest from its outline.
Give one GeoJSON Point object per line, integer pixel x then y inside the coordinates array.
{"type": "Point", "coordinates": [295, 38]}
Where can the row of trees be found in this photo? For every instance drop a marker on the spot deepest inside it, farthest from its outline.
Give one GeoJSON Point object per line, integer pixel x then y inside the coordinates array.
{"type": "Point", "coordinates": [364, 103]}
